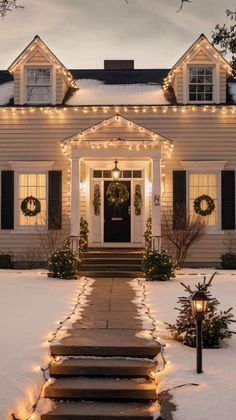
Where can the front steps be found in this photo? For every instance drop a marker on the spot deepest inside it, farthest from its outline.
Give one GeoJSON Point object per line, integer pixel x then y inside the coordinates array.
{"type": "Point", "coordinates": [111, 262]}
{"type": "Point", "coordinates": [104, 372]}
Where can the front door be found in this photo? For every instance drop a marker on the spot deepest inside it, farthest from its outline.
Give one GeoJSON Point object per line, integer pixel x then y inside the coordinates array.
{"type": "Point", "coordinates": [117, 213]}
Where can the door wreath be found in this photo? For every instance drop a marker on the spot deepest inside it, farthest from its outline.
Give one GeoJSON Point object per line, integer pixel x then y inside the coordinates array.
{"type": "Point", "coordinates": [117, 193]}
{"type": "Point", "coordinates": [26, 210]}
{"type": "Point", "coordinates": [210, 205]}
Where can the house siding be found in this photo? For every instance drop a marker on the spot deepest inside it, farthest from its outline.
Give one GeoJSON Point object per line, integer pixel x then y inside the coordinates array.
{"type": "Point", "coordinates": [196, 135]}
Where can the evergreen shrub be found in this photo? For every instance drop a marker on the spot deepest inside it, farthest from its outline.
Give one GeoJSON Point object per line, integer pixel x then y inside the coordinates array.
{"type": "Point", "coordinates": [157, 265]}
{"type": "Point", "coordinates": [64, 263]}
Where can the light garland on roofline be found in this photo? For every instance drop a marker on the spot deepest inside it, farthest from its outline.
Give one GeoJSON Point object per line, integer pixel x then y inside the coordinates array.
{"type": "Point", "coordinates": [15, 111]}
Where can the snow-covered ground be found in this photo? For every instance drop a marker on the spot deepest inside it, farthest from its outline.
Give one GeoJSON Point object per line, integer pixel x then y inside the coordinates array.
{"type": "Point", "coordinates": [31, 305]}
{"type": "Point", "coordinates": [214, 398]}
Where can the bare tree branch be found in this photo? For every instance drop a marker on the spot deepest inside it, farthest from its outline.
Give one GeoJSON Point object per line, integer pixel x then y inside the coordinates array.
{"type": "Point", "coordinates": [7, 6]}
{"type": "Point", "coordinates": [182, 4]}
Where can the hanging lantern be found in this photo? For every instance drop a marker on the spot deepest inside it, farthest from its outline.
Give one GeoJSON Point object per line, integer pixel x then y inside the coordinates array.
{"type": "Point", "coordinates": [116, 172]}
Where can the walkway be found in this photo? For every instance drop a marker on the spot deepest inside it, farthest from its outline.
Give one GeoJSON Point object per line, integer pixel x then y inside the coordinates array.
{"type": "Point", "coordinates": [97, 379]}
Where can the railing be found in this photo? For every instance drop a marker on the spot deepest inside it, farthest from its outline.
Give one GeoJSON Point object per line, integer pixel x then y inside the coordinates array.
{"type": "Point", "coordinates": [156, 243]}
{"type": "Point", "coordinates": [74, 243]}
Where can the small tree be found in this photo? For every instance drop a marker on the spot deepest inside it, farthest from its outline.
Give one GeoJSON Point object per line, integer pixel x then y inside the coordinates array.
{"type": "Point", "coordinates": [64, 263]}
{"type": "Point", "coordinates": [215, 326]}
{"type": "Point", "coordinates": [83, 239]}
{"type": "Point", "coordinates": [148, 236]}
{"type": "Point", "coordinates": [189, 231]}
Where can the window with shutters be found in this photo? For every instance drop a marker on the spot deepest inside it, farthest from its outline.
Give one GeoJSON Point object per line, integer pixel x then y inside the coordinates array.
{"type": "Point", "coordinates": [32, 185]}
{"type": "Point", "coordinates": [204, 184]}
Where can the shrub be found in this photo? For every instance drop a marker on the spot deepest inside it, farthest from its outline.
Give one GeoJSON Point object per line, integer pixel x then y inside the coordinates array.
{"type": "Point", "coordinates": [63, 264]}
{"type": "Point", "coordinates": [148, 235]}
{"type": "Point", "coordinates": [228, 260]}
{"type": "Point", "coordinates": [5, 261]}
{"type": "Point", "coordinates": [215, 326]}
{"type": "Point", "coordinates": [157, 265]}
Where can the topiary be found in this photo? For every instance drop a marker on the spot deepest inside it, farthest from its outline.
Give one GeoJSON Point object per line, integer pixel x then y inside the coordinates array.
{"type": "Point", "coordinates": [83, 238]}
{"type": "Point", "coordinates": [148, 236]}
{"type": "Point", "coordinates": [157, 265]}
{"type": "Point", "coordinates": [215, 326]}
{"type": "Point", "coordinates": [63, 264]}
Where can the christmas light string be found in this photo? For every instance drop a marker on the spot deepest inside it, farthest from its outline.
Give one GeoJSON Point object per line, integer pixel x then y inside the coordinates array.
{"type": "Point", "coordinates": [54, 359]}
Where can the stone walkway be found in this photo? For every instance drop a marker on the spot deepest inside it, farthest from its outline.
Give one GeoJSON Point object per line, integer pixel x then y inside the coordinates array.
{"type": "Point", "coordinates": [109, 384]}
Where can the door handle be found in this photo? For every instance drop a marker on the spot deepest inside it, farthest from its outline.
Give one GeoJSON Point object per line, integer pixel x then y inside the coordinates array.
{"type": "Point", "coordinates": [129, 210]}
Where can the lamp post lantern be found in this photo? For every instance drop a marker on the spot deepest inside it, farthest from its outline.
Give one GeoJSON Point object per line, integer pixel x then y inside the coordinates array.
{"type": "Point", "coordinates": [199, 307]}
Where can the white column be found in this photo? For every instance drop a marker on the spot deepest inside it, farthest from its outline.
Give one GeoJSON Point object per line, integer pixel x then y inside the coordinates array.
{"type": "Point", "coordinates": [75, 196]}
{"type": "Point", "coordinates": [156, 197]}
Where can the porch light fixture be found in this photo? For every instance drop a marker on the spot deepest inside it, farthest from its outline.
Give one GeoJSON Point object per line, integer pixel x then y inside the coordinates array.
{"type": "Point", "coordinates": [199, 303]}
{"type": "Point", "coordinates": [116, 172]}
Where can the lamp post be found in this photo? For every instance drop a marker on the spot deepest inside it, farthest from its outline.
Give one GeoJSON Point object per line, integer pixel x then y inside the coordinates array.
{"type": "Point", "coordinates": [116, 171]}
{"type": "Point", "coordinates": [199, 308]}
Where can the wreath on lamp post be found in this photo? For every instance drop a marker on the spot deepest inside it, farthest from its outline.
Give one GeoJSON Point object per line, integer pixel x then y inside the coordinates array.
{"type": "Point", "coordinates": [29, 201]}
{"type": "Point", "coordinates": [117, 193]}
{"type": "Point", "coordinates": [198, 208]}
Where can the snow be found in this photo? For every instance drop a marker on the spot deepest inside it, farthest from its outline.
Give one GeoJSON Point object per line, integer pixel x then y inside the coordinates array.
{"type": "Point", "coordinates": [214, 397]}
{"type": "Point", "coordinates": [31, 305]}
{"type": "Point", "coordinates": [6, 92]}
{"type": "Point", "coordinates": [95, 92]}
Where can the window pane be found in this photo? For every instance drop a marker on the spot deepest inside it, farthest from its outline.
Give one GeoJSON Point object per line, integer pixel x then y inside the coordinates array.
{"type": "Point", "coordinates": [200, 184]}
{"type": "Point", "coordinates": [201, 82]}
{"type": "Point", "coordinates": [35, 185]}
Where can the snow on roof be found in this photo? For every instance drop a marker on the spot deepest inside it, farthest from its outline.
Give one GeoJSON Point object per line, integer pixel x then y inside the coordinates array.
{"type": "Point", "coordinates": [6, 92]}
{"type": "Point", "coordinates": [95, 92]}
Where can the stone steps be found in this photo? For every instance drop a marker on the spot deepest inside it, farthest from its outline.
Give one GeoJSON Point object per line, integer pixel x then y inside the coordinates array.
{"type": "Point", "coordinates": [98, 389]}
{"type": "Point", "coordinates": [106, 367]}
{"type": "Point", "coordinates": [103, 411]}
{"type": "Point", "coordinates": [105, 343]}
{"type": "Point", "coordinates": [107, 274]}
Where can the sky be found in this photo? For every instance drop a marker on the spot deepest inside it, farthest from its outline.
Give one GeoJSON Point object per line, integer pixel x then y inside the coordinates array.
{"type": "Point", "coordinates": [82, 33]}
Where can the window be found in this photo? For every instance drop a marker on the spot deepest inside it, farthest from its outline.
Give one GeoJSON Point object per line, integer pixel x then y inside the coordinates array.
{"type": "Point", "coordinates": [204, 183]}
{"type": "Point", "coordinates": [38, 85]}
{"type": "Point", "coordinates": [201, 84]}
{"type": "Point", "coordinates": [34, 184]}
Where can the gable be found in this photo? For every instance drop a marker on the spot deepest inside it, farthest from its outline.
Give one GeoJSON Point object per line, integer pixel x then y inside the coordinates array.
{"type": "Point", "coordinates": [37, 57]}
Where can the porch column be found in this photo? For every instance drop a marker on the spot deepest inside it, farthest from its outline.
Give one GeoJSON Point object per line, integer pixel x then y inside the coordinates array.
{"type": "Point", "coordinates": [156, 197]}
{"type": "Point", "coordinates": [75, 196]}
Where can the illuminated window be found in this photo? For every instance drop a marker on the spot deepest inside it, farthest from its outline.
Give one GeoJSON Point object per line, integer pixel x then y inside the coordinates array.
{"type": "Point", "coordinates": [201, 84]}
{"type": "Point", "coordinates": [38, 85]}
{"type": "Point", "coordinates": [32, 184]}
{"type": "Point", "coordinates": [199, 184]}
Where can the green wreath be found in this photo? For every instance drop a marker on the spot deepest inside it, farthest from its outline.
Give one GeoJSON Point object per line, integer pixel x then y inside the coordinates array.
{"type": "Point", "coordinates": [210, 205]}
{"type": "Point", "coordinates": [117, 193]}
{"type": "Point", "coordinates": [30, 200]}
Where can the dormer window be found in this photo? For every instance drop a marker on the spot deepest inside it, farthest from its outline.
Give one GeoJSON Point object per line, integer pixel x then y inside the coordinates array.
{"type": "Point", "coordinates": [200, 83]}
{"type": "Point", "coordinates": [38, 85]}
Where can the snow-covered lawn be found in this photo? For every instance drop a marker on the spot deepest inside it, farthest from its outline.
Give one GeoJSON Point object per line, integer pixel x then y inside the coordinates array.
{"type": "Point", "coordinates": [31, 304]}
{"type": "Point", "coordinates": [214, 398]}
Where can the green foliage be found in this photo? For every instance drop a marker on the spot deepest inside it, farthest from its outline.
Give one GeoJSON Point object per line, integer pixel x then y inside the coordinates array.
{"type": "Point", "coordinates": [63, 264]}
{"type": "Point", "coordinates": [5, 261]}
{"type": "Point", "coordinates": [157, 265]}
{"type": "Point", "coordinates": [215, 326]}
{"type": "Point", "coordinates": [148, 235]}
{"type": "Point", "coordinates": [228, 260]}
{"type": "Point", "coordinates": [83, 239]}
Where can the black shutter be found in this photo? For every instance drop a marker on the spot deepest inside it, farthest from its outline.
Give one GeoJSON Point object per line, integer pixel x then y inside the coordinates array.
{"type": "Point", "coordinates": [55, 200]}
{"type": "Point", "coordinates": [7, 201]}
{"type": "Point", "coordinates": [179, 199]}
{"type": "Point", "coordinates": [228, 199]}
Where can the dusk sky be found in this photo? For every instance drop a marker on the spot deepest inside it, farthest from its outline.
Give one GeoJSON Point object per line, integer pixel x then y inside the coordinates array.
{"type": "Point", "coordinates": [82, 33]}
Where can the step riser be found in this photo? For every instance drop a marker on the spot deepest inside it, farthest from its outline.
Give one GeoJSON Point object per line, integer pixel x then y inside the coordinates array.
{"type": "Point", "coordinates": [111, 255]}
{"type": "Point", "coordinates": [139, 352]}
{"type": "Point", "coordinates": [114, 261]}
{"type": "Point", "coordinates": [94, 417]}
{"type": "Point", "coordinates": [100, 395]}
{"type": "Point", "coordinates": [110, 267]}
{"type": "Point", "coordinates": [110, 274]}
{"type": "Point", "coordinates": [66, 371]}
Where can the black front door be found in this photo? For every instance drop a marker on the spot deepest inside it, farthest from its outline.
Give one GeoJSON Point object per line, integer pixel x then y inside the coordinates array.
{"type": "Point", "coordinates": [116, 217]}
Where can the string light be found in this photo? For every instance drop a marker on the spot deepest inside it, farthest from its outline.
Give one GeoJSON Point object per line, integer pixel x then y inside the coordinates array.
{"type": "Point", "coordinates": [86, 285]}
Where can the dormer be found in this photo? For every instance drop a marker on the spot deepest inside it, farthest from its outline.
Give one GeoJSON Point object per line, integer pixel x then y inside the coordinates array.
{"type": "Point", "coordinates": [200, 76]}
{"type": "Point", "coordinates": [39, 77]}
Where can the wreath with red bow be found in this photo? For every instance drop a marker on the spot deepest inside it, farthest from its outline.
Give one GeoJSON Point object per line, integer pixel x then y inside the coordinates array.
{"type": "Point", "coordinates": [30, 201]}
